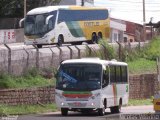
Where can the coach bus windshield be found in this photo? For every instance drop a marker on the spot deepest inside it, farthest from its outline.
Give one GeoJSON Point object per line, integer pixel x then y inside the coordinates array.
{"type": "Point", "coordinates": [35, 24]}
{"type": "Point", "coordinates": [79, 77]}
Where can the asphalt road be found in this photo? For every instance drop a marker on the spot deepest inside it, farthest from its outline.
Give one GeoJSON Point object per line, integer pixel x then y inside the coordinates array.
{"type": "Point", "coordinates": [91, 116]}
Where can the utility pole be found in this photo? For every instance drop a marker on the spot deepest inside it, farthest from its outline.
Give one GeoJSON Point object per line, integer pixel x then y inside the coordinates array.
{"type": "Point", "coordinates": [151, 19]}
{"type": "Point", "coordinates": [144, 21]}
{"type": "Point", "coordinates": [82, 3]}
{"type": "Point", "coordinates": [24, 8]}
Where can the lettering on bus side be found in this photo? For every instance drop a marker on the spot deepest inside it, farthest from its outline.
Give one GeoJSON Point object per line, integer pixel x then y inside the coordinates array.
{"type": "Point", "coordinates": [91, 24]}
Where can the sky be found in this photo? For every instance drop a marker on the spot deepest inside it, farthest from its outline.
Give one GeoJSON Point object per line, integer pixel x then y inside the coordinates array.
{"type": "Point", "coordinates": [132, 10]}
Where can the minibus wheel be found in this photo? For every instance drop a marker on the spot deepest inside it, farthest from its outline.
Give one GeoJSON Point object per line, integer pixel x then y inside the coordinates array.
{"type": "Point", "coordinates": [101, 111]}
{"type": "Point", "coordinates": [64, 111]}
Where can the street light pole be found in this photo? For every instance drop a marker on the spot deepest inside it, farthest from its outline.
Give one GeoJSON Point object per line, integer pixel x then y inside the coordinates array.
{"type": "Point", "coordinates": [144, 21]}
{"type": "Point", "coordinates": [24, 8]}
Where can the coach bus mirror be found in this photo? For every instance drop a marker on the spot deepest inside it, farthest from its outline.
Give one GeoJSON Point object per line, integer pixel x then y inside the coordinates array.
{"type": "Point", "coordinates": [48, 18]}
{"type": "Point", "coordinates": [21, 23]}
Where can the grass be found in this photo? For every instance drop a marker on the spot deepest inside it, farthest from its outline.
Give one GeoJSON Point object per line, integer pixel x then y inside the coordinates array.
{"type": "Point", "coordinates": [26, 109]}
{"type": "Point", "coordinates": [142, 66]}
{"type": "Point", "coordinates": [144, 61]}
{"type": "Point", "coordinates": [134, 102]}
{"type": "Point", "coordinates": [31, 79]}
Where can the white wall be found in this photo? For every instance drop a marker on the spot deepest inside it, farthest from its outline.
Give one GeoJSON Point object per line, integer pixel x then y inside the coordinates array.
{"type": "Point", "coordinates": [7, 36]}
{"type": "Point", "coordinates": [117, 31]}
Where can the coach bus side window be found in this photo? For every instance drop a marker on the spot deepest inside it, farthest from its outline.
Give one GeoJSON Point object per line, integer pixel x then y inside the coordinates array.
{"type": "Point", "coordinates": [105, 81]}
{"type": "Point", "coordinates": [82, 15]}
{"type": "Point", "coordinates": [124, 73]}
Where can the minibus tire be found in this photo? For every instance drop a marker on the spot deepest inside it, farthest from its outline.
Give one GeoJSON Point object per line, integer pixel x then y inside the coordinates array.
{"type": "Point", "coordinates": [64, 111]}
{"type": "Point", "coordinates": [101, 111]}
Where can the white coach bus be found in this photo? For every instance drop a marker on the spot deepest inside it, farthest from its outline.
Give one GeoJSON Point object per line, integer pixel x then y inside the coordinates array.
{"type": "Point", "coordinates": [91, 84]}
{"type": "Point", "coordinates": [65, 24]}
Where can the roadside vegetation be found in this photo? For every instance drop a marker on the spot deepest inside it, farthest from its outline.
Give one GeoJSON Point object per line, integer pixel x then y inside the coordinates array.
{"type": "Point", "coordinates": [33, 78]}
{"type": "Point", "coordinates": [134, 102]}
{"type": "Point", "coordinates": [141, 60]}
{"type": "Point", "coordinates": [6, 110]}
{"type": "Point", "coordinates": [35, 109]}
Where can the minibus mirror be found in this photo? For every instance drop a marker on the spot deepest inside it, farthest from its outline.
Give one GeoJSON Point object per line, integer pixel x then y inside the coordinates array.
{"type": "Point", "coordinates": [21, 23]}
{"type": "Point", "coordinates": [48, 18]}
{"type": "Point", "coordinates": [105, 81]}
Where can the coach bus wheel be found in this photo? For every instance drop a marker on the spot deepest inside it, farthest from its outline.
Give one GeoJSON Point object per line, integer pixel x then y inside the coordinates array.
{"type": "Point", "coordinates": [94, 38]}
{"type": "Point", "coordinates": [60, 40]}
{"type": "Point", "coordinates": [39, 46]}
{"type": "Point", "coordinates": [64, 111]}
{"type": "Point", "coordinates": [99, 36]}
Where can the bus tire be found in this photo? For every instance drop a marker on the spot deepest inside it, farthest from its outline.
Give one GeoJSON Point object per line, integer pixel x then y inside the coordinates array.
{"type": "Point", "coordinates": [100, 36]}
{"type": "Point", "coordinates": [60, 40]}
{"type": "Point", "coordinates": [101, 111]}
{"type": "Point", "coordinates": [39, 46]}
{"type": "Point", "coordinates": [64, 111]}
{"type": "Point", "coordinates": [94, 38]}
{"type": "Point", "coordinates": [116, 109]}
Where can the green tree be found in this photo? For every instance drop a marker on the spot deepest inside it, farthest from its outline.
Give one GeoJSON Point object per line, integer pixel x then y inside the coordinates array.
{"type": "Point", "coordinates": [39, 3]}
{"type": "Point", "coordinates": [11, 8]}
{"type": "Point", "coordinates": [15, 8]}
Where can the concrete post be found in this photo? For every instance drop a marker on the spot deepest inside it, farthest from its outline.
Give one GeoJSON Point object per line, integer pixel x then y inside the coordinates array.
{"type": "Point", "coordinates": [71, 52]}
{"type": "Point", "coordinates": [37, 56]}
{"type": "Point", "coordinates": [105, 51]}
{"type": "Point", "coordinates": [9, 58]}
{"type": "Point", "coordinates": [52, 56]}
{"type": "Point", "coordinates": [60, 54]}
{"type": "Point", "coordinates": [79, 52]}
{"type": "Point", "coordinates": [27, 64]}
{"type": "Point", "coordinates": [90, 51]}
